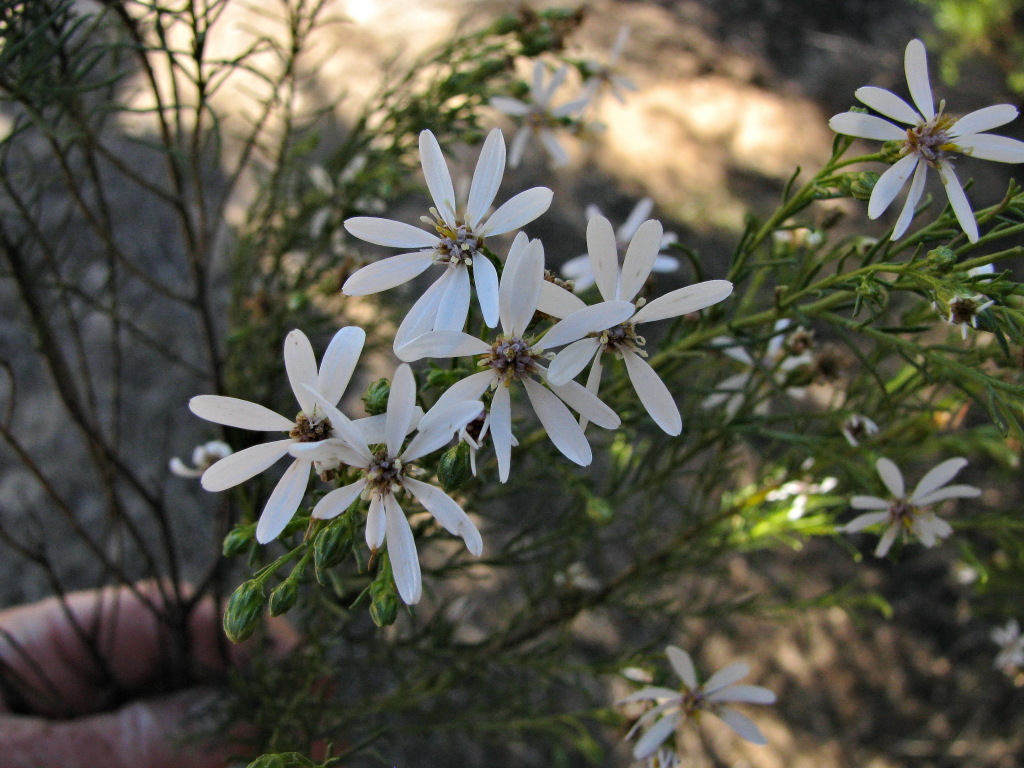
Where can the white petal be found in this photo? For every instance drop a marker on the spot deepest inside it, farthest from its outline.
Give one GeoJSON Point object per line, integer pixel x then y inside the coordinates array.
{"type": "Point", "coordinates": [339, 362]}
{"type": "Point", "coordinates": [486, 178]}
{"type": "Point", "coordinates": [888, 538]}
{"type": "Point", "coordinates": [604, 257]}
{"type": "Point", "coordinates": [338, 500]}
{"type": "Point", "coordinates": [558, 302]}
{"type": "Point", "coordinates": [387, 273]}
{"type": "Point", "coordinates": [283, 501]}
{"type": "Point", "coordinates": [682, 301]}
{"type": "Point", "coordinates": [726, 676]}
{"type": "Point", "coordinates": [401, 401]}
{"type": "Point", "coordinates": [742, 724]}
{"type": "Point", "coordinates": [331, 449]}
{"type": "Point", "coordinates": [583, 400]}
{"type": "Point", "coordinates": [515, 152]}
{"type": "Point", "coordinates": [653, 393]}
{"type": "Point", "coordinates": [510, 106]}
{"type": "Point", "coordinates": [636, 266]}
{"type": "Point", "coordinates": [442, 344]}
{"type": "Point", "coordinates": [571, 360]}
{"type": "Point", "coordinates": [866, 127]}
{"type": "Point", "coordinates": [447, 513]}
{"type": "Point", "coordinates": [869, 502]}
{"type": "Point", "coordinates": [632, 223]}
{"type": "Point", "coordinates": [889, 104]}
{"type": "Point", "coordinates": [372, 428]}
{"type": "Point", "coordinates": [232, 412]}
{"type": "Point", "coordinates": [891, 476]}
{"type": "Point", "coordinates": [517, 212]}
{"type": "Point", "coordinates": [564, 110]}
{"type": "Point", "coordinates": [749, 694]}
{"type": "Point", "coordinates": [652, 693]}
{"type": "Point", "coordinates": [556, 152]}
{"type": "Point", "coordinates": [890, 183]}
{"type": "Point", "coordinates": [682, 663]}
{"type": "Point", "coordinates": [1000, 149]}
{"type": "Point", "coordinates": [983, 120]}
{"type": "Point", "coordinates": [561, 427]}
{"type": "Point", "coordinates": [469, 388]}
{"type": "Point", "coordinates": [542, 93]}
{"type": "Point", "coordinates": [453, 308]}
{"type": "Point", "coordinates": [439, 426]}
{"type": "Point", "coordinates": [949, 492]}
{"type": "Point", "coordinates": [394, 234]}
{"type": "Point", "coordinates": [655, 735]}
{"type": "Point", "coordinates": [578, 270]}
{"type": "Point", "coordinates": [937, 477]}
{"type": "Point", "coordinates": [421, 315]}
{"type": "Point", "coordinates": [665, 263]}
{"type": "Point", "coordinates": [598, 317]}
{"type": "Point", "coordinates": [405, 562]}
{"type": "Point", "coordinates": [439, 181]}
{"type": "Point", "coordinates": [913, 197]}
{"type": "Point", "coordinates": [522, 289]}
{"type": "Point", "coordinates": [240, 466]}
{"type": "Point", "coordinates": [958, 200]}
{"type": "Point", "coordinates": [915, 62]}
{"type": "Point", "coordinates": [861, 522]}
{"type": "Point", "coordinates": [300, 363]}
{"type": "Point", "coordinates": [375, 523]}
{"type": "Point", "coordinates": [501, 430]}
{"type": "Point", "coordinates": [485, 276]}
{"type": "Point", "coordinates": [513, 263]}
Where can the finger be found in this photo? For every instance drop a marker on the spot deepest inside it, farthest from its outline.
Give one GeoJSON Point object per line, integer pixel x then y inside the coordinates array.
{"type": "Point", "coordinates": [85, 653]}
{"type": "Point", "coordinates": [156, 733]}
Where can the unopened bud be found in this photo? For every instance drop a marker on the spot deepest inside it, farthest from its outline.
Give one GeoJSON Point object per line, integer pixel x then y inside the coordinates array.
{"type": "Point", "coordinates": [332, 544]}
{"type": "Point", "coordinates": [454, 468]}
{"type": "Point", "coordinates": [283, 598]}
{"type": "Point", "coordinates": [238, 540]}
{"type": "Point", "coordinates": [375, 399]}
{"type": "Point", "coordinates": [245, 608]}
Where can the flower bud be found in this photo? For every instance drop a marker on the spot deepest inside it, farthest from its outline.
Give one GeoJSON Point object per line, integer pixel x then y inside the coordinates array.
{"type": "Point", "coordinates": [454, 469]}
{"type": "Point", "coordinates": [245, 608]}
{"type": "Point", "coordinates": [332, 544]}
{"type": "Point", "coordinates": [383, 596]}
{"type": "Point", "coordinates": [238, 540]}
{"type": "Point", "coordinates": [862, 184]}
{"type": "Point", "coordinates": [942, 257]}
{"type": "Point", "coordinates": [375, 399]}
{"type": "Point", "coordinates": [283, 598]}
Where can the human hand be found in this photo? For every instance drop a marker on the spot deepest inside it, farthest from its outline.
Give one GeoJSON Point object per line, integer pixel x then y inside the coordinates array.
{"type": "Point", "coordinates": [89, 702]}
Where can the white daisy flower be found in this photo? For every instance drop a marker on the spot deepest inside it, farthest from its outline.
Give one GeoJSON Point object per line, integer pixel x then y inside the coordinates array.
{"type": "Point", "coordinates": [857, 428]}
{"type": "Point", "coordinates": [456, 244]}
{"type": "Point", "coordinates": [310, 425]}
{"type": "Point", "coordinates": [606, 77]}
{"type": "Point", "coordinates": [623, 284]}
{"type": "Point", "coordinates": [513, 357]}
{"type": "Point", "coordinates": [203, 457]}
{"type": "Point", "coordinates": [540, 118]}
{"type": "Point", "coordinates": [673, 707]}
{"type": "Point", "coordinates": [933, 139]}
{"type": "Point", "coordinates": [910, 515]}
{"type": "Point", "coordinates": [776, 362]}
{"type": "Point", "coordinates": [1011, 647]}
{"type": "Point", "coordinates": [579, 270]}
{"type": "Point", "coordinates": [390, 471]}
